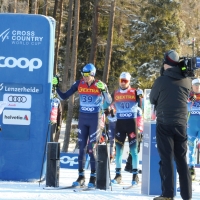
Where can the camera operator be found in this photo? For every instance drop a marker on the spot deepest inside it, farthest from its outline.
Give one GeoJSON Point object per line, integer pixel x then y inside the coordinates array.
{"type": "Point", "coordinates": [169, 94]}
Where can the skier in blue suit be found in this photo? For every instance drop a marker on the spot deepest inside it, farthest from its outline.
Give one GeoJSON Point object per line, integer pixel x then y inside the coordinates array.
{"type": "Point", "coordinates": [92, 94]}
{"type": "Point", "coordinates": [193, 129]}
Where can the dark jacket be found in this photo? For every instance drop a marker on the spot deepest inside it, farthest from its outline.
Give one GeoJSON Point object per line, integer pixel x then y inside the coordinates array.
{"type": "Point", "coordinates": [169, 94]}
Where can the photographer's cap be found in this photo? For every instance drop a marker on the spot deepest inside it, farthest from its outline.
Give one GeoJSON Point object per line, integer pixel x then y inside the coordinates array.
{"type": "Point", "coordinates": [196, 81]}
{"type": "Point", "coordinates": [171, 58]}
{"type": "Point", "coordinates": [125, 75]}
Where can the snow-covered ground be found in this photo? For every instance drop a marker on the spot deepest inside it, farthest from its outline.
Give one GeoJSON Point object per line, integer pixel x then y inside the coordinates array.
{"type": "Point", "coordinates": [23, 190]}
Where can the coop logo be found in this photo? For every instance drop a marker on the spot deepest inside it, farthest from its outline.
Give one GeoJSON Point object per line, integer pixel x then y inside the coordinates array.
{"type": "Point", "coordinates": [4, 35]}
{"type": "Point", "coordinates": [67, 160]}
{"type": "Point", "coordinates": [11, 62]}
{"type": "Point", "coordinates": [90, 109]}
{"type": "Point", "coordinates": [125, 114]}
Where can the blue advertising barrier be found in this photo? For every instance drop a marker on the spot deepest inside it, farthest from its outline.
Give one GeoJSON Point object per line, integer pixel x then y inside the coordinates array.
{"type": "Point", "coordinates": [69, 160]}
{"type": "Point", "coordinates": [26, 71]}
{"type": "Point", "coordinates": [151, 183]}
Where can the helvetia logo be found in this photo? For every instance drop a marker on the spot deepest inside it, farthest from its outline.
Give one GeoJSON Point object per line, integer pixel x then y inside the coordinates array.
{"type": "Point", "coordinates": [16, 117]}
{"type": "Point", "coordinates": [26, 117]}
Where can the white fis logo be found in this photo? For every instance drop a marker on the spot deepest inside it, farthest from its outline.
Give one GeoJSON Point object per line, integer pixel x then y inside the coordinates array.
{"type": "Point", "coordinates": [1, 86]}
{"type": "Point", "coordinates": [4, 35]}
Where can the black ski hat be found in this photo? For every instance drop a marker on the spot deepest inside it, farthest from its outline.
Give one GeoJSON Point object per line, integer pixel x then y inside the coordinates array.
{"type": "Point", "coordinates": [171, 58]}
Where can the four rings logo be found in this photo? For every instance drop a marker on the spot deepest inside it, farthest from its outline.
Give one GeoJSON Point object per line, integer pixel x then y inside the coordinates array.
{"type": "Point", "coordinates": [11, 62]}
{"type": "Point", "coordinates": [87, 109]}
{"type": "Point", "coordinates": [17, 99]}
{"type": "Point", "coordinates": [125, 114]}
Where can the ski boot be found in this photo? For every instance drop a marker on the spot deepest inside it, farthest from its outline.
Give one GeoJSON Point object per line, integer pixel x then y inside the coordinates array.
{"type": "Point", "coordinates": [81, 179]}
{"type": "Point", "coordinates": [118, 176]}
{"type": "Point", "coordinates": [128, 167]}
{"type": "Point", "coordinates": [92, 181]}
{"type": "Point", "coordinates": [135, 179]}
{"type": "Point", "coordinates": [192, 173]}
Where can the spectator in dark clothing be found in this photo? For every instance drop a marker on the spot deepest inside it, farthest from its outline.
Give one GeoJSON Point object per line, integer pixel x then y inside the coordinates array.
{"type": "Point", "coordinates": [55, 117]}
{"type": "Point", "coordinates": [169, 94]}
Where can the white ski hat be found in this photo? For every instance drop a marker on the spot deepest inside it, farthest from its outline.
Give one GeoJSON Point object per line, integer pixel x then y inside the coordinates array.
{"type": "Point", "coordinates": [125, 75]}
{"type": "Point", "coordinates": [196, 81]}
{"type": "Point", "coordinates": [139, 92]}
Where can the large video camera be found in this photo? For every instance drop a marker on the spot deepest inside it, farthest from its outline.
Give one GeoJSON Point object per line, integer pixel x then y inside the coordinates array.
{"type": "Point", "coordinates": [188, 65]}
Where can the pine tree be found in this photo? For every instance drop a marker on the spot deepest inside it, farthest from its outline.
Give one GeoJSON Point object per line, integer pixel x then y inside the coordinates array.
{"type": "Point", "coordinates": [157, 30]}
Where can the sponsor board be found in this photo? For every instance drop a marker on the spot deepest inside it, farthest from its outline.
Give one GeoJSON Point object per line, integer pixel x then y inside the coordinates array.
{"type": "Point", "coordinates": [20, 36]}
{"type": "Point", "coordinates": [11, 62]}
{"type": "Point", "coordinates": [26, 65]}
{"type": "Point", "coordinates": [17, 100]}
{"type": "Point", "coordinates": [21, 88]}
{"type": "Point", "coordinates": [16, 117]}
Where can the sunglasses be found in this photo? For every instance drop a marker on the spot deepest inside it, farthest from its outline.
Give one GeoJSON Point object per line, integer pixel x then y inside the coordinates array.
{"type": "Point", "coordinates": [85, 74]}
{"type": "Point", "coordinates": [124, 81]}
{"type": "Point", "coordinates": [197, 84]}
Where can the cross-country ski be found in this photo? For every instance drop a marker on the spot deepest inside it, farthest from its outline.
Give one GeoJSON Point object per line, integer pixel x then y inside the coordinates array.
{"type": "Point", "coordinates": [63, 187]}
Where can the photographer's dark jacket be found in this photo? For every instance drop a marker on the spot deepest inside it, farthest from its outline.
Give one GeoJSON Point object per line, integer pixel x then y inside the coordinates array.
{"type": "Point", "coordinates": [169, 94]}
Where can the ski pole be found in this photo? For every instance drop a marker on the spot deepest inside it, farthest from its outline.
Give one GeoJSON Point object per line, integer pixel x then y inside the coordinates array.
{"type": "Point", "coordinates": [108, 158]}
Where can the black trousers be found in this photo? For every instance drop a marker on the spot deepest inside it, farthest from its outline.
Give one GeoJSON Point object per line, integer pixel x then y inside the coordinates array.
{"type": "Point", "coordinates": [172, 145]}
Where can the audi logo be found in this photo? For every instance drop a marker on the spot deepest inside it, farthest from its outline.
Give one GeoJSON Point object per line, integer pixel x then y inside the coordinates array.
{"type": "Point", "coordinates": [17, 99]}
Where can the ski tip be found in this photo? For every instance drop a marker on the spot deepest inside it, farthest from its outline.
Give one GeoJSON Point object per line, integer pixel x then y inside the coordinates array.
{"type": "Point", "coordinates": [49, 188]}
{"type": "Point", "coordinates": [131, 186]}
{"type": "Point", "coordinates": [63, 187]}
{"type": "Point", "coordinates": [128, 187]}
{"type": "Point", "coordinates": [84, 189]}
